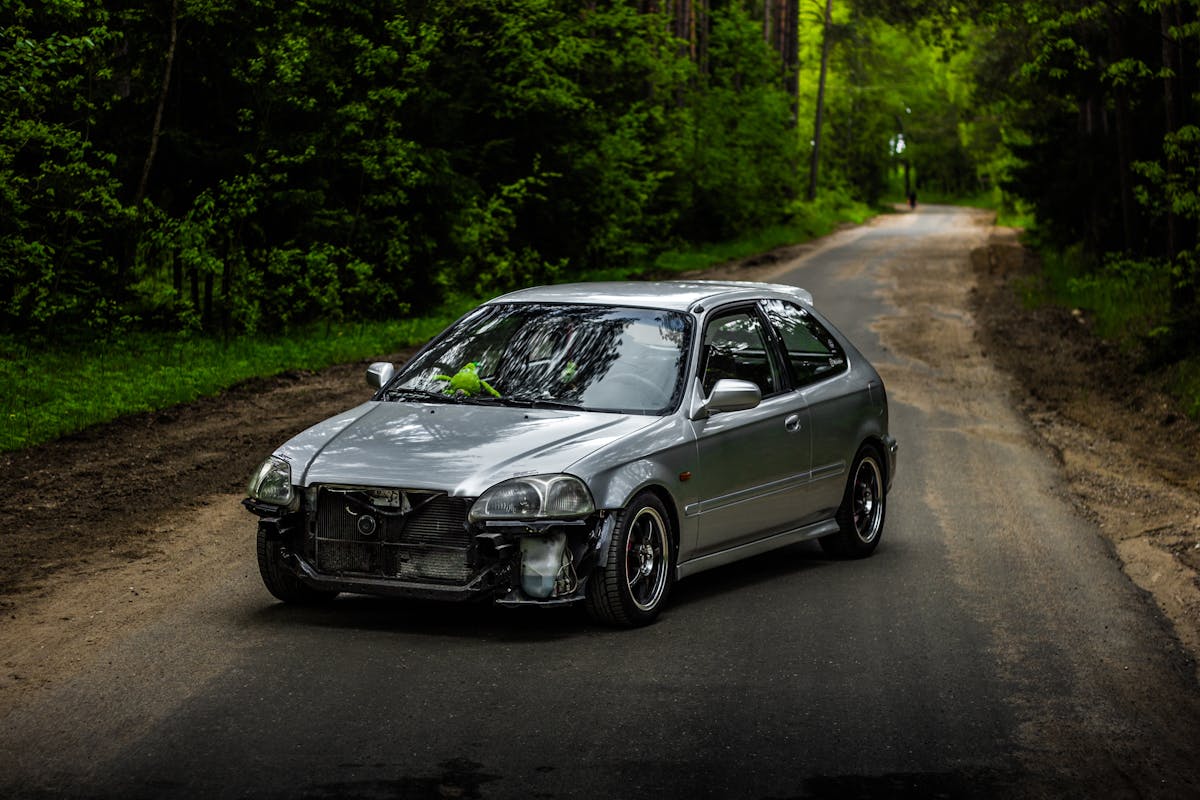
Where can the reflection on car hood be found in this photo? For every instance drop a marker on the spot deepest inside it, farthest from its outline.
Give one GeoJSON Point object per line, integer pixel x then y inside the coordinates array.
{"type": "Point", "coordinates": [463, 449]}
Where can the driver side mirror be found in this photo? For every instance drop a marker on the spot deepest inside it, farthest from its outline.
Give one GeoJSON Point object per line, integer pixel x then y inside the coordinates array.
{"type": "Point", "coordinates": [379, 373]}
{"type": "Point", "coordinates": [728, 394]}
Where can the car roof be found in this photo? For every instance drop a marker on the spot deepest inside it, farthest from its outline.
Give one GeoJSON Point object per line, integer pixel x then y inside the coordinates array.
{"type": "Point", "coordinates": [681, 295]}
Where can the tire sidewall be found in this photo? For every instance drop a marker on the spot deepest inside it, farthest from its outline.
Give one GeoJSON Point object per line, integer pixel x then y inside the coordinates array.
{"type": "Point", "coordinates": [847, 540]}
{"type": "Point", "coordinates": [609, 597]}
{"type": "Point", "coordinates": [280, 581]}
{"type": "Point", "coordinates": [641, 502]}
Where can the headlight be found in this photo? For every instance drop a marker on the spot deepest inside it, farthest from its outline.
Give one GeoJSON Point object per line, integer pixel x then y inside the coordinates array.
{"type": "Point", "coordinates": [272, 483]}
{"type": "Point", "coordinates": [537, 497]}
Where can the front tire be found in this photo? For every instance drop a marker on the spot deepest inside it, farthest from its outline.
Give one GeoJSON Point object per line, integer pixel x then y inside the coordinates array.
{"type": "Point", "coordinates": [864, 507]}
{"type": "Point", "coordinates": [281, 581]}
{"type": "Point", "coordinates": [630, 588]}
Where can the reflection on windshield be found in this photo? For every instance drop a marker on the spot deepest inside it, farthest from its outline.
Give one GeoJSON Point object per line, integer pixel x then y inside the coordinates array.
{"type": "Point", "coordinates": [596, 358]}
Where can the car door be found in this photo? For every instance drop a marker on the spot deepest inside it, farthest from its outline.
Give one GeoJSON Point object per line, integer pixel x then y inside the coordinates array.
{"type": "Point", "coordinates": [817, 366]}
{"type": "Point", "coordinates": [753, 464]}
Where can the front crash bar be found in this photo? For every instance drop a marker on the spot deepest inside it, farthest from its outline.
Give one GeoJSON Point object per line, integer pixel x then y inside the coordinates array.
{"type": "Point", "coordinates": [478, 589]}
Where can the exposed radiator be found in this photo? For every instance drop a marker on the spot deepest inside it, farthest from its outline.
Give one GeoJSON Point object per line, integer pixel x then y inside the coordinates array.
{"type": "Point", "coordinates": [424, 538]}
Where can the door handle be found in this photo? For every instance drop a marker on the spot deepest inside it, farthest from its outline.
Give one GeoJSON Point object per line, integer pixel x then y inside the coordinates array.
{"type": "Point", "coordinates": [792, 423]}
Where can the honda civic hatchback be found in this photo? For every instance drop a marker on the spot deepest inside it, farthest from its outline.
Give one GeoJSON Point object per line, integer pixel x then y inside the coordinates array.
{"type": "Point", "coordinates": [587, 443]}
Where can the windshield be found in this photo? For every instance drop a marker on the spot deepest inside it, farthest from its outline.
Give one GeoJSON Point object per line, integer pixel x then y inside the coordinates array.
{"type": "Point", "coordinates": [596, 358]}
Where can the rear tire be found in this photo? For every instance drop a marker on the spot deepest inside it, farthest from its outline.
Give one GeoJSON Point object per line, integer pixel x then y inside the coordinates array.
{"type": "Point", "coordinates": [281, 581]}
{"type": "Point", "coordinates": [864, 506]}
{"type": "Point", "coordinates": [630, 588]}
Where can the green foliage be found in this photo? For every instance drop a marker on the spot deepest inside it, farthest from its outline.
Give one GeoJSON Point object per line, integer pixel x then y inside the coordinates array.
{"type": "Point", "coordinates": [318, 161]}
{"type": "Point", "coordinates": [60, 210]}
{"type": "Point", "coordinates": [1101, 107]}
{"type": "Point", "coordinates": [215, 169]}
{"type": "Point", "coordinates": [219, 168]}
{"type": "Point", "coordinates": [1101, 100]}
{"type": "Point", "coordinates": [805, 221]}
{"type": "Point", "coordinates": [900, 95]}
{"type": "Point", "coordinates": [1172, 189]}
{"type": "Point", "coordinates": [127, 371]}
{"type": "Point", "coordinates": [739, 170]}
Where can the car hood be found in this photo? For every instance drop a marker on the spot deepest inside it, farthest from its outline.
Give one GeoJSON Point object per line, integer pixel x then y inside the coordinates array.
{"type": "Point", "coordinates": [461, 449]}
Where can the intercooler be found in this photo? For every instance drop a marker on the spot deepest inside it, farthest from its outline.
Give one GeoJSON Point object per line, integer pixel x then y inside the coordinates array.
{"type": "Point", "coordinates": [411, 536]}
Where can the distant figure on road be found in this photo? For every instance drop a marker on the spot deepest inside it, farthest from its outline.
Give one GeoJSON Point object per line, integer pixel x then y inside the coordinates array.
{"type": "Point", "coordinates": [912, 200]}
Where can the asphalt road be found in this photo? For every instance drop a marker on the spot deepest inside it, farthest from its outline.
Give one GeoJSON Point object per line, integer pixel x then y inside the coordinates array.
{"type": "Point", "coordinates": [992, 647]}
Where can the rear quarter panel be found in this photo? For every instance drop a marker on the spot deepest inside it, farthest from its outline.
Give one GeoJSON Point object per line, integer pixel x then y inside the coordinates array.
{"type": "Point", "coordinates": [847, 411]}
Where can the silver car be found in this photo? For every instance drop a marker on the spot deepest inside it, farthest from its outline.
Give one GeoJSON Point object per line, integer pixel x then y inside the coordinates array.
{"type": "Point", "coordinates": [587, 443]}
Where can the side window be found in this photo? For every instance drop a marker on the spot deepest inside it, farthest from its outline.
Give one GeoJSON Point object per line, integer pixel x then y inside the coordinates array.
{"type": "Point", "coordinates": [735, 347]}
{"type": "Point", "coordinates": [812, 352]}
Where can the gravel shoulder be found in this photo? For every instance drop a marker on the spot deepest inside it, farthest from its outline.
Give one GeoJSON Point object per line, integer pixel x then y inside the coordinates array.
{"type": "Point", "coordinates": [105, 529]}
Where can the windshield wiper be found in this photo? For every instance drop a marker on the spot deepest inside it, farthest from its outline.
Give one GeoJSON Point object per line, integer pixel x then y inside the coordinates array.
{"type": "Point", "coordinates": [537, 402]}
{"type": "Point", "coordinates": [421, 394]}
{"type": "Point", "coordinates": [515, 402]}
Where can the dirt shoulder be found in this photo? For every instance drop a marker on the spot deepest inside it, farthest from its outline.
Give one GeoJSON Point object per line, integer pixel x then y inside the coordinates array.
{"type": "Point", "coordinates": [1127, 450]}
{"type": "Point", "coordinates": [80, 505]}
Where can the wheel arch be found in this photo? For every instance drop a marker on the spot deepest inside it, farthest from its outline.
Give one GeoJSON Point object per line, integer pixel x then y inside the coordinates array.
{"type": "Point", "coordinates": [614, 489]}
{"type": "Point", "coordinates": [668, 502]}
{"type": "Point", "coordinates": [885, 448]}
{"type": "Point", "coordinates": [876, 444]}
{"type": "Point", "coordinates": [665, 497]}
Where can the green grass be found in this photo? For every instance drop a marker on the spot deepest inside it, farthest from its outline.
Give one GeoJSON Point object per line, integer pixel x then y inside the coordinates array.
{"type": "Point", "coordinates": [1186, 385]}
{"type": "Point", "coordinates": [51, 393]}
{"type": "Point", "coordinates": [1124, 301]}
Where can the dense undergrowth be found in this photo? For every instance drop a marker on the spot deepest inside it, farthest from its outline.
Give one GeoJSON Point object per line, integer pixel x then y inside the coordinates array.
{"type": "Point", "coordinates": [55, 391]}
{"type": "Point", "coordinates": [1125, 301]}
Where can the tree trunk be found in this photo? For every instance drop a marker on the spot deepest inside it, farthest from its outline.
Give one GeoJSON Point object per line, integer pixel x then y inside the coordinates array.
{"type": "Point", "coordinates": [1183, 289]}
{"type": "Point", "coordinates": [1116, 43]}
{"type": "Point", "coordinates": [816, 151]}
{"type": "Point", "coordinates": [1170, 69]}
{"type": "Point", "coordinates": [156, 130]}
{"type": "Point", "coordinates": [195, 290]}
{"type": "Point", "coordinates": [208, 317]}
{"type": "Point", "coordinates": [1125, 171]}
{"type": "Point", "coordinates": [226, 321]}
{"type": "Point", "coordinates": [791, 58]}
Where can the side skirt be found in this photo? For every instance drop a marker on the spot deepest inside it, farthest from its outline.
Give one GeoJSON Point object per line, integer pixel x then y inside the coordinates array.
{"type": "Point", "coordinates": [814, 531]}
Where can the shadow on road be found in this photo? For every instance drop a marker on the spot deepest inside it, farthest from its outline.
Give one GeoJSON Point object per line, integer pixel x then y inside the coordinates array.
{"type": "Point", "coordinates": [481, 620]}
{"type": "Point", "coordinates": [758, 572]}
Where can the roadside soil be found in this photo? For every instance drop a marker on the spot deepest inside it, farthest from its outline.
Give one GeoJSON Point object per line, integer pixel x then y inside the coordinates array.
{"type": "Point", "coordinates": [100, 529]}
{"type": "Point", "coordinates": [1127, 450]}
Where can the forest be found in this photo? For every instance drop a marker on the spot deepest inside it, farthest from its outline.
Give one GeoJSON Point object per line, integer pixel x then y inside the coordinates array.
{"type": "Point", "coordinates": [207, 169]}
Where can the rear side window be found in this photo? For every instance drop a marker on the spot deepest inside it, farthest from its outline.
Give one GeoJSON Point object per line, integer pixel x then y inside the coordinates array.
{"type": "Point", "coordinates": [812, 352]}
